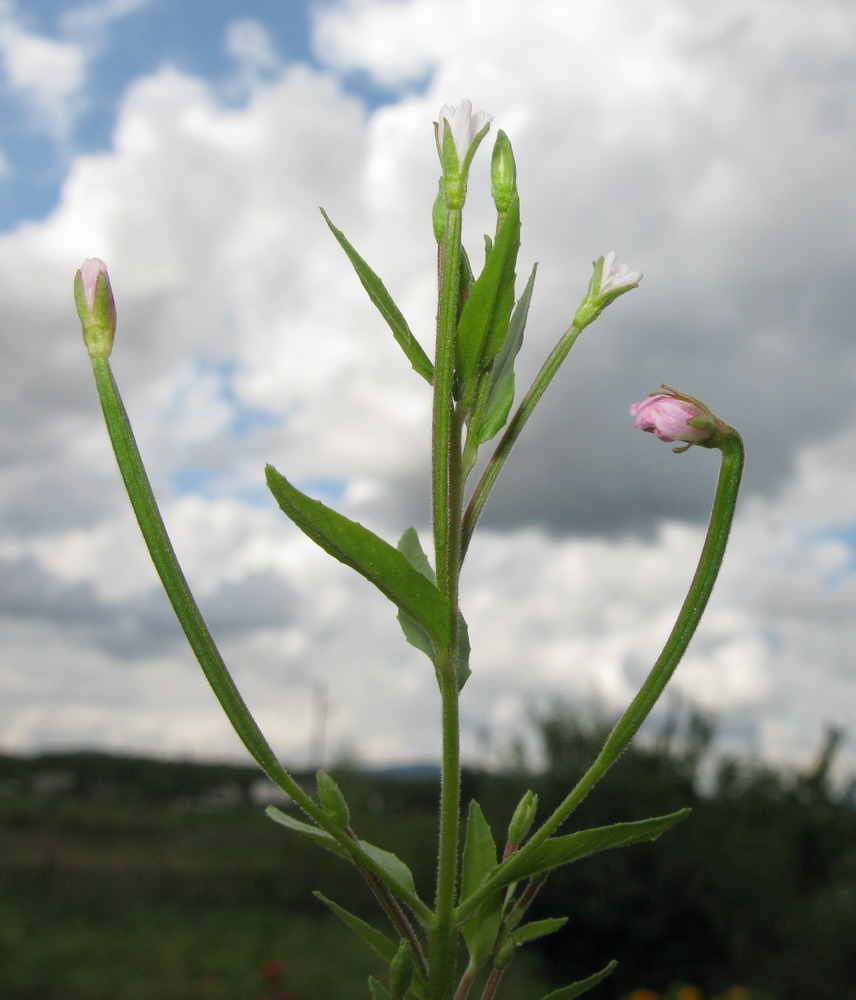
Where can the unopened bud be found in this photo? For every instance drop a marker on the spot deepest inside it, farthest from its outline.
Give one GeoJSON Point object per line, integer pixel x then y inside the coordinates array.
{"type": "Point", "coordinates": [504, 955]}
{"type": "Point", "coordinates": [96, 308]}
{"type": "Point", "coordinates": [671, 416]}
{"type": "Point", "coordinates": [503, 173]}
{"type": "Point", "coordinates": [401, 970]}
{"type": "Point", "coordinates": [522, 819]}
{"type": "Point", "coordinates": [332, 801]}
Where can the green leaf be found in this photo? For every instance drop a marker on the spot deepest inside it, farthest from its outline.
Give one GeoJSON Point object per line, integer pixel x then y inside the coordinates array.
{"type": "Point", "coordinates": [375, 939]}
{"type": "Point", "coordinates": [313, 833]}
{"type": "Point", "coordinates": [466, 279]}
{"type": "Point", "coordinates": [415, 635]}
{"type": "Point", "coordinates": [479, 860]}
{"type": "Point", "coordinates": [411, 548]}
{"type": "Point", "coordinates": [362, 550]}
{"type": "Point", "coordinates": [484, 319]}
{"type": "Point", "coordinates": [463, 651]}
{"type": "Point", "coordinates": [379, 992]}
{"type": "Point", "coordinates": [396, 874]}
{"type": "Point", "coordinates": [500, 395]}
{"type": "Point", "coordinates": [577, 989]}
{"type": "Point", "coordinates": [379, 943]}
{"type": "Point", "coordinates": [536, 929]}
{"type": "Point", "coordinates": [386, 306]}
{"type": "Point", "coordinates": [563, 850]}
{"type": "Point", "coordinates": [396, 871]}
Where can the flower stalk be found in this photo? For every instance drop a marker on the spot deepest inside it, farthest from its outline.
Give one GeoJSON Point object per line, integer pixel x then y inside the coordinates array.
{"type": "Point", "coordinates": [710, 562]}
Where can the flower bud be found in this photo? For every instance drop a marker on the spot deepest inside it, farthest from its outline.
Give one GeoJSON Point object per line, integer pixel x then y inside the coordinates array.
{"type": "Point", "coordinates": [401, 970]}
{"type": "Point", "coordinates": [96, 308]}
{"type": "Point", "coordinates": [672, 416]}
{"type": "Point", "coordinates": [504, 955]}
{"type": "Point", "coordinates": [503, 173]}
{"type": "Point", "coordinates": [522, 819]}
{"type": "Point", "coordinates": [332, 801]}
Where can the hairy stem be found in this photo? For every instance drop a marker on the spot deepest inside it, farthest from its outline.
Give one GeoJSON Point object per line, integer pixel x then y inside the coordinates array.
{"type": "Point", "coordinates": [447, 502]}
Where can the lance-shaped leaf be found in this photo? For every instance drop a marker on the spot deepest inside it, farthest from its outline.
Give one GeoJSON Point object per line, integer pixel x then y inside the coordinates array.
{"type": "Point", "coordinates": [479, 860]}
{"type": "Point", "coordinates": [378, 990]}
{"type": "Point", "coordinates": [411, 548]}
{"type": "Point", "coordinates": [499, 395]}
{"type": "Point", "coordinates": [535, 929]}
{"type": "Point", "coordinates": [484, 319]}
{"type": "Point", "coordinates": [375, 939]}
{"type": "Point", "coordinates": [379, 943]}
{"type": "Point", "coordinates": [396, 874]}
{"type": "Point", "coordinates": [362, 550]}
{"type": "Point", "coordinates": [386, 306]}
{"type": "Point", "coordinates": [577, 989]}
{"type": "Point", "coordinates": [313, 833]}
{"type": "Point", "coordinates": [563, 850]}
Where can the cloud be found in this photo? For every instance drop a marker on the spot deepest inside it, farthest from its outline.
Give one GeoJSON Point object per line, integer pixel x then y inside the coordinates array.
{"type": "Point", "coordinates": [47, 74]}
{"type": "Point", "coordinates": [87, 18]}
{"type": "Point", "coordinates": [711, 151]}
{"type": "Point", "coordinates": [250, 43]}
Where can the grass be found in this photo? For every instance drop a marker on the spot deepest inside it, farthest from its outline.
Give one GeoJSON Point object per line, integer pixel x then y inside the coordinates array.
{"type": "Point", "coordinates": [168, 951]}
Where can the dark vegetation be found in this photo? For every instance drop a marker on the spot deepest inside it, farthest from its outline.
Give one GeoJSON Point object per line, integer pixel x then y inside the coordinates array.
{"type": "Point", "coordinates": [134, 879]}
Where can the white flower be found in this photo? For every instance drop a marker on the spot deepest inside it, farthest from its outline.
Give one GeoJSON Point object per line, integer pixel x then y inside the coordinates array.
{"type": "Point", "coordinates": [609, 280]}
{"type": "Point", "coordinates": [464, 125]}
{"type": "Point", "coordinates": [615, 276]}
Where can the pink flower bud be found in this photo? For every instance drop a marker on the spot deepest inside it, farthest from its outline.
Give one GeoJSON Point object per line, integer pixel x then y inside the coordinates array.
{"type": "Point", "coordinates": [671, 416]}
{"type": "Point", "coordinates": [96, 307]}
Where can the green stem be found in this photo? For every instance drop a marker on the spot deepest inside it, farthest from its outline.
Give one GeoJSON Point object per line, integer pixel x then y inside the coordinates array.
{"type": "Point", "coordinates": [397, 917]}
{"type": "Point", "coordinates": [190, 618]}
{"type": "Point", "coordinates": [444, 938]}
{"type": "Point", "coordinates": [512, 432]}
{"type": "Point", "coordinates": [445, 528]}
{"type": "Point", "coordinates": [698, 595]}
{"type": "Point", "coordinates": [447, 503]}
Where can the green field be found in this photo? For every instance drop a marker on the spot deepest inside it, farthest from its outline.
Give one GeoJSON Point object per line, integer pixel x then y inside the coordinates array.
{"type": "Point", "coordinates": [125, 879]}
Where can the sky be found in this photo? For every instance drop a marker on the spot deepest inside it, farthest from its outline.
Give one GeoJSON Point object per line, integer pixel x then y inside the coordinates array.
{"type": "Point", "coordinates": [190, 145]}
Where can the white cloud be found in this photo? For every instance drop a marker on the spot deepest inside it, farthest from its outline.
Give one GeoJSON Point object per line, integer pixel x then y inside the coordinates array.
{"type": "Point", "coordinates": [711, 150]}
{"type": "Point", "coordinates": [48, 74]}
{"type": "Point", "coordinates": [88, 22]}
{"type": "Point", "coordinates": [251, 44]}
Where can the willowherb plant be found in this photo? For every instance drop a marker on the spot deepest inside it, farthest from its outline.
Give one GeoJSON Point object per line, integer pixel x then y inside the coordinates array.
{"type": "Point", "coordinates": [476, 921]}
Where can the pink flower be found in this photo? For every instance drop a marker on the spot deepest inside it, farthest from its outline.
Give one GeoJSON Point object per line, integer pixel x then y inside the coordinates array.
{"type": "Point", "coordinates": [668, 416]}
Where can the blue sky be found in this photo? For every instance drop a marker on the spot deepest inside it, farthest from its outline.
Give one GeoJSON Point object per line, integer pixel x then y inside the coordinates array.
{"type": "Point", "coordinates": [134, 42]}
{"type": "Point", "coordinates": [190, 145]}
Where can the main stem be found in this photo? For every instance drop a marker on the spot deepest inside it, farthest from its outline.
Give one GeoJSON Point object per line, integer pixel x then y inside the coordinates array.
{"type": "Point", "coordinates": [447, 491]}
